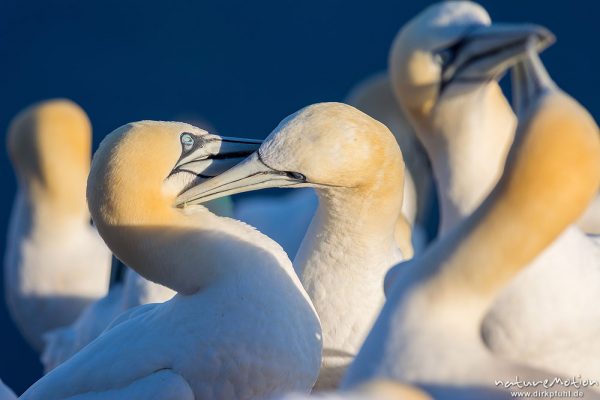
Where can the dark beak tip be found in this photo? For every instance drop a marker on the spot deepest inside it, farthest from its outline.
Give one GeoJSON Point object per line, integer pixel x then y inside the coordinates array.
{"type": "Point", "coordinates": [544, 36]}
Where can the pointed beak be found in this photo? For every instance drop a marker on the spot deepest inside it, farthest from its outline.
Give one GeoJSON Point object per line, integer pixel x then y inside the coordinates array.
{"type": "Point", "coordinates": [216, 156]}
{"type": "Point", "coordinates": [529, 80]}
{"type": "Point", "coordinates": [488, 51]}
{"type": "Point", "coordinates": [250, 174]}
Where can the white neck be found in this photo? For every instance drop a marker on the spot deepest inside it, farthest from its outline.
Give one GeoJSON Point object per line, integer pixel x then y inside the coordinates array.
{"type": "Point", "coordinates": [468, 140]}
{"type": "Point", "coordinates": [193, 249]}
{"type": "Point", "coordinates": [342, 262]}
{"type": "Point", "coordinates": [348, 233]}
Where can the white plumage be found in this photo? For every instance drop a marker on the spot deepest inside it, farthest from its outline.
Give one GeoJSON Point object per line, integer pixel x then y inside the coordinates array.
{"type": "Point", "coordinates": [241, 326]}
{"type": "Point", "coordinates": [428, 333]}
{"type": "Point", "coordinates": [355, 165]}
{"type": "Point", "coordinates": [467, 128]}
{"type": "Point", "coordinates": [63, 342]}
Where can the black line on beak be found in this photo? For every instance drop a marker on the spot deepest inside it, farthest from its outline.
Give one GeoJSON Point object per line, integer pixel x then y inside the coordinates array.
{"type": "Point", "coordinates": [233, 154]}
{"type": "Point", "coordinates": [249, 141]}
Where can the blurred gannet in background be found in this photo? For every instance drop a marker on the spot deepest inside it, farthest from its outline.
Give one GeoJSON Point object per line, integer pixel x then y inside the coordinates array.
{"type": "Point", "coordinates": [548, 317]}
{"type": "Point", "coordinates": [444, 68]}
{"type": "Point", "coordinates": [355, 165]}
{"type": "Point", "coordinates": [374, 97]}
{"type": "Point", "coordinates": [466, 125]}
{"type": "Point", "coordinates": [376, 390]}
{"type": "Point", "coordinates": [241, 325]}
{"type": "Point", "coordinates": [6, 393]}
{"type": "Point", "coordinates": [55, 262]}
{"type": "Point", "coordinates": [428, 333]}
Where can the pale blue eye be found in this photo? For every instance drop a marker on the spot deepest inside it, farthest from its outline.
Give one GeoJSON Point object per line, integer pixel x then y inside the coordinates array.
{"type": "Point", "coordinates": [444, 57]}
{"type": "Point", "coordinates": [187, 141]}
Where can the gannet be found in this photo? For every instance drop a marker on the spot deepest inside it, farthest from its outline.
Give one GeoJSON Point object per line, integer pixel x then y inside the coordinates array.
{"type": "Point", "coordinates": [6, 393]}
{"type": "Point", "coordinates": [466, 130]}
{"type": "Point", "coordinates": [129, 291]}
{"type": "Point", "coordinates": [355, 165]}
{"type": "Point", "coordinates": [444, 70]}
{"type": "Point", "coordinates": [297, 207]}
{"type": "Point", "coordinates": [55, 262]}
{"type": "Point", "coordinates": [241, 325]}
{"type": "Point", "coordinates": [374, 96]}
{"type": "Point", "coordinates": [548, 316]}
{"type": "Point", "coordinates": [428, 333]}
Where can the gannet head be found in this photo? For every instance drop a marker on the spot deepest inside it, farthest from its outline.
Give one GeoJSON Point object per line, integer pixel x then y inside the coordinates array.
{"type": "Point", "coordinates": [141, 167]}
{"type": "Point", "coordinates": [453, 42]}
{"type": "Point", "coordinates": [49, 145]}
{"type": "Point", "coordinates": [326, 145]}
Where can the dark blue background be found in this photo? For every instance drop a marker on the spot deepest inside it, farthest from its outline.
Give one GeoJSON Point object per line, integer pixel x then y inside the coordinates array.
{"type": "Point", "coordinates": [241, 65]}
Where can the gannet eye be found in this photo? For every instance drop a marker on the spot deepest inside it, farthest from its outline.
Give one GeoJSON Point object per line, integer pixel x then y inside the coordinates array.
{"type": "Point", "coordinates": [187, 141]}
{"type": "Point", "coordinates": [444, 57]}
{"type": "Point", "coordinates": [296, 175]}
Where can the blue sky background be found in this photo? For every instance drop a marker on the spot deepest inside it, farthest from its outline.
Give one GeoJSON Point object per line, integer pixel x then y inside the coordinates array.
{"type": "Point", "coordinates": [240, 65]}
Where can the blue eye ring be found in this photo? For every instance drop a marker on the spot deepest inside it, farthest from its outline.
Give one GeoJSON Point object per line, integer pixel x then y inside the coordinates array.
{"type": "Point", "coordinates": [187, 141]}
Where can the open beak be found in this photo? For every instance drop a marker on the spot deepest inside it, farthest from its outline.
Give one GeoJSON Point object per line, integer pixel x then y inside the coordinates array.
{"type": "Point", "coordinates": [250, 174]}
{"type": "Point", "coordinates": [215, 156]}
{"type": "Point", "coordinates": [488, 51]}
{"type": "Point", "coordinates": [529, 80]}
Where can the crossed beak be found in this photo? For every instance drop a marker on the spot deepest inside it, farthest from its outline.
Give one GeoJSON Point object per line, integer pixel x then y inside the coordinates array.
{"type": "Point", "coordinates": [250, 174]}
{"type": "Point", "coordinates": [215, 156]}
{"type": "Point", "coordinates": [488, 51]}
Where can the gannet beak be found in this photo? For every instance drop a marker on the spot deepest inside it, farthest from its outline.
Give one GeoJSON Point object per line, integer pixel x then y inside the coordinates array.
{"type": "Point", "coordinates": [215, 156]}
{"type": "Point", "coordinates": [488, 51]}
{"type": "Point", "coordinates": [529, 80]}
{"type": "Point", "coordinates": [250, 174]}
